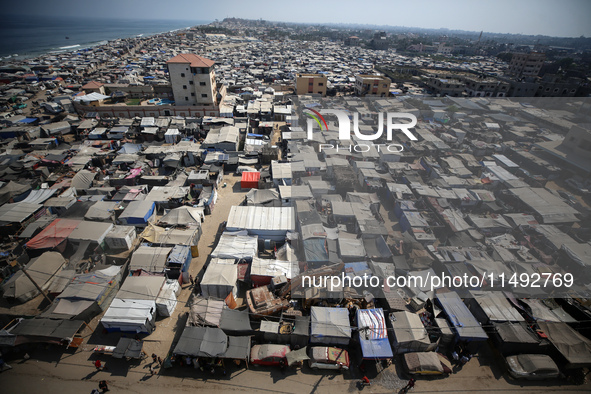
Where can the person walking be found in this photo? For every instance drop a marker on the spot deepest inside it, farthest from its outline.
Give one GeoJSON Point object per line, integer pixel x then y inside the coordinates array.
{"type": "Point", "coordinates": [192, 280]}
{"type": "Point", "coordinates": [154, 358]}
{"type": "Point", "coordinates": [98, 364]}
{"type": "Point", "coordinates": [409, 385]}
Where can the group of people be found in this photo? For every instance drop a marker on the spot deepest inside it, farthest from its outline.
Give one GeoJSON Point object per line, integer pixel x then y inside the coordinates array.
{"type": "Point", "coordinates": [156, 361]}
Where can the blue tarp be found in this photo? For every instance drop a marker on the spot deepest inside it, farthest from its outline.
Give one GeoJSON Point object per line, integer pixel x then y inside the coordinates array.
{"type": "Point", "coordinates": [28, 120]}
{"type": "Point", "coordinates": [460, 317]}
{"type": "Point", "coordinates": [315, 250]}
{"type": "Point", "coordinates": [180, 255]}
{"type": "Point", "coordinates": [138, 212]}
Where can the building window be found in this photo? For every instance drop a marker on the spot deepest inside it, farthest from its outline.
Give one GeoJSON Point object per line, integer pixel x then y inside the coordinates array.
{"type": "Point", "coordinates": [190, 82]}
{"type": "Point", "coordinates": [320, 84]}
{"type": "Point", "coordinates": [204, 95]}
{"type": "Point", "coordinates": [184, 86]}
{"type": "Point", "coordinates": [182, 75]}
{"type": "Point", "coordinates": [186, 99]}
{"type": "Point", "coordinates": [319, 92]}
{"type": "Point", "coordinates": [192, 94]}
{"type": "Point", "coordinates": [202, 84]}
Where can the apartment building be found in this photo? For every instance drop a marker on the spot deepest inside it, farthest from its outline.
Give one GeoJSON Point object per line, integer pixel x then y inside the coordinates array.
{"type": "Point", "coordinates": [372, 85]}
{"type": "Point", "coordinates": [311, 84]}
{"type": "Point", "coordinates": [193, 80]}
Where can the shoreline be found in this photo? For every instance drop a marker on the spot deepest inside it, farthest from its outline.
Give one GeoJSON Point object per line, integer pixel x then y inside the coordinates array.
{"type": "Point", "coordinates": [17, 58]}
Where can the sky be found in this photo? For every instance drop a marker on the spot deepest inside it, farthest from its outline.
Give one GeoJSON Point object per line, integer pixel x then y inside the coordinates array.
{"type": "Point", "coordinates": [561, 18]}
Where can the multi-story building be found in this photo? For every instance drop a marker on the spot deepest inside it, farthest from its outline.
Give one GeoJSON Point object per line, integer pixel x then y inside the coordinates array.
{"type": "Point", "coordinates": [482, 86]}
{"type": "Point", "coordinates": [311, 84]}
{"type": "Point", "coordinates": [193, 80]}
{"type": "Point", "coordinates": [526, 64]}
{"type": "Point", "coordinates": [372, 85]}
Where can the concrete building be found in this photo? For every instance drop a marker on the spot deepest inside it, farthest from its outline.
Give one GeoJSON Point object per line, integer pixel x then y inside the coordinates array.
{"type": "Point", "coordinates": [574, 151]}
{"type": "Point", "coordinates": [352, 41]}
{"type": "Point", "coordinates": [372, 85]}
{"type": "Point", "coordinates": [526, 64]}
{"type": "Point", "coordinates": [311, 84]}
{"type": "Point", "coordinates": [193, 80]}
{"type": "Point", "coordinates": [485, 87]}
{"type": "Point", "coordinates": [94, 87]}
{"type": "Point", "coordinates": [445, 86]}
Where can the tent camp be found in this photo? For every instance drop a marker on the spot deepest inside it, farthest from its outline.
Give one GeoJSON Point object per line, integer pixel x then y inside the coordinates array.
{"type": "Point", "coordinates": [182, 216]}
{"type": "Point", "coordinates": [205, 312]}
{"type": "Point", "coordinates": [141, 287]}
{"type": "Point", "coordinates": [188, 236]}
{"type": "Point", "coordinates": [373, 334]}
{"type": "Point", "coordinates": [220, 278]}
{"type": "Point", "coordinates": [330, 326]}
{"type": "Point", "coordinates": [42, 269]}
{"type": "Point", "coordinates": [410, 334]}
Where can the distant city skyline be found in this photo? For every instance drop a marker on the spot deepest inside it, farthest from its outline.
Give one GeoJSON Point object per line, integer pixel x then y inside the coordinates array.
{"type": "Point", "coordinates": [567, 18]}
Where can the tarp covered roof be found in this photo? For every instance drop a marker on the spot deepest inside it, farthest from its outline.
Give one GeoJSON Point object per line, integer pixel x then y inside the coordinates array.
{"type": "Point", "coordinates": [574, 347]}
{"type": "Point", "coordinates": [42, 269]}
{"type": "Point", "coordinates": [54, 234]}
{"type": "Point", "coordinates": [211, 342]}
{"type": "Point", "coordinates": [458, 314]}
{"type": "Point", "coordinates": [373, 334]}
{"type": "Point", "coordinates": [330, 325]}
{"type": "Point", "coordinates": [150, 259]}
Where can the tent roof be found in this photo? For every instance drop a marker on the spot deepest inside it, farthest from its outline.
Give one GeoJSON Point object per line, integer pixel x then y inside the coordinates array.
{"type": "Point", "coordinates": [459, 315]}
{"type": "Point", "coordinates": [141, 287]}
{"type": "Point", "coordinates": [572, 345]}
{"type": "Point", "coordinates": [42, 269]}
{"type": "Point", "coordinates": [54, 234]}
{"type": "Point", "coordinates": [330, 322]}
{"type": "Point", "coordinates": [150, 259]}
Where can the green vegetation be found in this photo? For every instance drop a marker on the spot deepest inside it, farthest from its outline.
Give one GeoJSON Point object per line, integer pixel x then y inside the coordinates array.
{"type": "Point", "coordinates": [133, 101]}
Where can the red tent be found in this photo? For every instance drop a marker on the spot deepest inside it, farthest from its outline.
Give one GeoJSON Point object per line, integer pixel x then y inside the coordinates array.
{"type": "Point", "coordinates": [53, 235]}
{"type": "Point", "coordinates": [250, 180]}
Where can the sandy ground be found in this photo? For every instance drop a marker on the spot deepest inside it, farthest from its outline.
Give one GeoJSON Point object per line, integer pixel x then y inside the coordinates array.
{"type": "Point", "coordinates": [53, 370]}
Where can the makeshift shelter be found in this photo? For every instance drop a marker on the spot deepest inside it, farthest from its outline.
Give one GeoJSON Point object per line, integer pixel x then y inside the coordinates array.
{"type": "Point", "coordinates": [426, 363]}
{"type": "Point", "coordinates": [373, 334]}
{"type": "Point", "coordinates": [13, 190]}
{"type": "Point", "coordinates": [572, 346]}
{"type": "Point", "coordinates": [493, 307]}
{"type": "Point", "coordinates": [149, 259]}
{"type": "Point", "coordinates": [90, 232]}
{"type": "Point", "coordinates": [167, 301]}
{"type": "Point", "coordinates": [130, 315]}
{"type": "Point", "coordinates": [262, 271]}
{"type": "Point", "coordinates": [250, 180]}
{"type": "Point", "coordinates": [178, 262]}
{"type": "Point", "coordinates": [205, 312]}
{"type": "Point", "coordinates": [212, 342]}
{"type": "Point", "coordinates": [137, 213]}
{"type": "Point", "coordinates": [515, 338]}
{"type": "Point", "coordinates": [220, 279]}
{"type": "Point", "coordinates": [263, 198]}
{"type": "Point", "coordinates": [467, 328]}
{"type": "Point", "coordinates": [121, 237]}
{"type": "Point", "coordinates": [128, 348]}
{"type": "Point", "coordinates": [410, 334]}
{"type": "Point", "coordinates": [102, 211]}
{"type": "Point", "coordinates": [330, 326]}
{"type": "Point", "coordinates": [141, 288]}
{"type": "Point", "coordinates": [172, 236]}
{"type": "Point", "coordinates": [265, 222]}
{"type": "Point", "coordinates": [182, 216]}
{"type": "Point", "coordinates": [83, 180]}
{"type": "Point", "coordinates": [87, 295]}
{"type": "Point", "coordinates": [53, 235]}
{"type": "Point", "coordinates": [42, 270]}
{"type": "Point", "coordinates": [61, 332]}
{"type": "Point", "coordinates": [236, 322]}
{"type": "Point", "coordinates": [238, 247]}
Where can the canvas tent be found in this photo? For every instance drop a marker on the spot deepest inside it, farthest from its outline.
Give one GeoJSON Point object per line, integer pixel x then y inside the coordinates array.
{"type": "Point", "coordinates": [42, 269]}
{"type": "Point", "coordinates": [410, 334]}
{"type": "Point", "coordinates": [86, 294]}
{"type": "Point", "coordinates": [212, 342]}
{"type": "Point", "coordinates": [137, 213]}
{"type": "Point", "coordinates": [46, 330]}
{"type": "Point", "coordinates": [574, 347]}
{"type": "Point", "coordinates": [330, 326]}
{"type": "Point", "coordinates": [102, 211]}
{"type": "Point", "coordinates": [205, 312]}
{"type": "Point", "coordinates": [54, 234]}
{"type": "Point", "coordinates": [238, 247]}
{"type": "Point", "coordinates": [465, 325]}
{"type": "Point", "coordinates": [149, 259]}
{"type": "Point", "coordinates": [90, 231]}
{"type": "Point", "coordinates": [130, 315]}
{"type": "Point", "coordinates": [220, 278]}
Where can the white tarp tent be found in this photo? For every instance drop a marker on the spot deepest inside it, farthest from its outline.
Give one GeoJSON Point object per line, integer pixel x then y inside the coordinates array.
{"type": "Point", "coordinates": [128, 315]}
{"type": "Point", "coordinates": [220, 279]}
